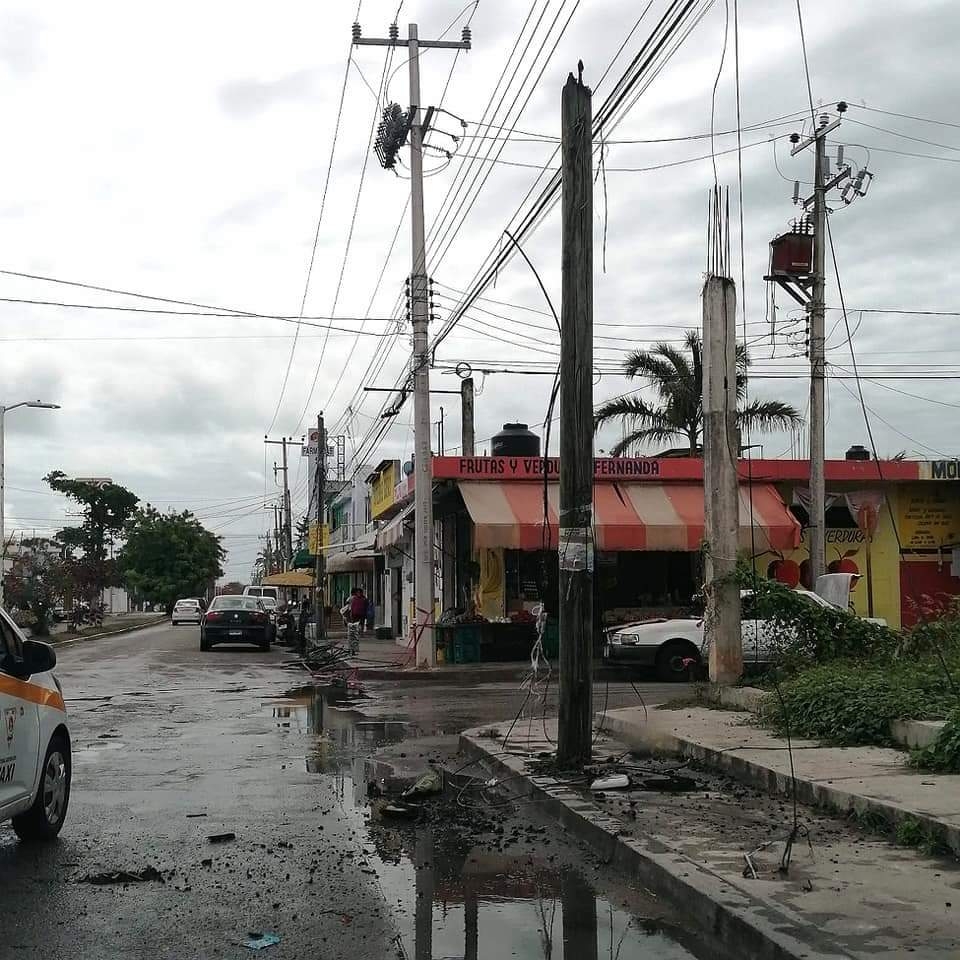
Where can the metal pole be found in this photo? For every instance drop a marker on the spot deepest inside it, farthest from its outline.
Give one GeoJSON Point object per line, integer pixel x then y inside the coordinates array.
{"type": "Point", "coordinates": [817, 518]}
{"type": "Point", "coordinates": [319, 565]}
{"type": "Point", "coordinates": [423, 472]}
{"type": "Point", "coordinates": [286, 504]}
{"type": "Point", "coordinates": [576, 430]}
{"type": "Point", "coordinates": [466, 417]}
{"type": "Point", "coordinates": [3, 533]}
{"type": "Point", "coordinates": [721, 496]}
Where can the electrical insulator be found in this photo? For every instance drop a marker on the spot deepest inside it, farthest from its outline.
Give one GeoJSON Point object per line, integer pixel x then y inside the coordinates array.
{"type": "Point", "coordinates": [840, 156]}
{"type": "Point", "coordinates": [796, 191]}
{"type": "Point", "coordinates": [356, 32]}
{"type": "Point", "coordinates": [394, 31]}
{"type": "Point", "coordinates": [465, 36]}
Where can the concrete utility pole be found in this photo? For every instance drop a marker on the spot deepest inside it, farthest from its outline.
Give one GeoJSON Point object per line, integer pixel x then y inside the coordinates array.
{"type": "Point", "coordinates": [818, 489]}
{"type": "Point", "coordinates": [721, 493]}
{"type": "Point", "coordinates": [320, 560]}
{"type": "Point", "coordinates": [286, 519]}
{"type": "Point", "coordinates": [574, 743]}
{"type": "Point", "coordinates": [419, 312]}
{"type": "Point", "coordinates": [466, 417]}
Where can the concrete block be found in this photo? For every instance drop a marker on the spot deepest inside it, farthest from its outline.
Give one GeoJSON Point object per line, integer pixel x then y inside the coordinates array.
{"type": "Point", "coordinates": [916, 733]}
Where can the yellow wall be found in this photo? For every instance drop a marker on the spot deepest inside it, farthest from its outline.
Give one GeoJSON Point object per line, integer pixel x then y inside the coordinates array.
{"type": "Point", "coordinates": [324, 541]}
{"type": "Point", "coordinates": [381, 490]}
{"type": "Point", "coordinates": [885, 555]}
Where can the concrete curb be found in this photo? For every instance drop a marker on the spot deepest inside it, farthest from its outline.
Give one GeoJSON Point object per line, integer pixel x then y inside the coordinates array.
{"type": "Point", "coordinates": [460, 674]}
{"type": "Point", "coordinates": [739, 922]}
{"type": "Point", "coordinates": [107, 633]}
{"type": "Point", "coordinates": [826, 796]}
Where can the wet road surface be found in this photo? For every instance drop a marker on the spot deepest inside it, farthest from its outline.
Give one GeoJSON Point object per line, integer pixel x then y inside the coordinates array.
{"type": "Point", "coordinates": [172, 746]}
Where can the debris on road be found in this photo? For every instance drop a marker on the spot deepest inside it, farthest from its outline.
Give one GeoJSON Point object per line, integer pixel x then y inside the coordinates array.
{"type": "Point", "coordinates": [190, 816]}
{"type": "Point", "coordinates": [428, 785]}
{"type": "Point", "coordinates": [260, 941]}
{"type": "Point", "coordinates": [406, 811]}
{"type": "Point", "coordinates": [221, 837]}
{"type": "Point", "coordinates": [123, 876]}
{"type": "Point", "coordinates": [619, 781]}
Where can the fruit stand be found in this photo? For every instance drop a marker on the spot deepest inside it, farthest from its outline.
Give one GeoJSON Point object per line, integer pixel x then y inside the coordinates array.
{"type": "Point", "coordinates": [470, 638]}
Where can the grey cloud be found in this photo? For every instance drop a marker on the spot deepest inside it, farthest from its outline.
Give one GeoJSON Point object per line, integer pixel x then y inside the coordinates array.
{"type": "Point", "coordinates": [245, 98]}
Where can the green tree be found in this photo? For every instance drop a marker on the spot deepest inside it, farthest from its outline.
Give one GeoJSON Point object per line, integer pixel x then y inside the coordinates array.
{"type": "Point", "coordinates": [676, 376]}
{"type": "Point", "coordinates": [89, 547]}
{"type": "Point", "coordinates": [169, 555]}
{"type": "Point", "coordinates": [37, 583]}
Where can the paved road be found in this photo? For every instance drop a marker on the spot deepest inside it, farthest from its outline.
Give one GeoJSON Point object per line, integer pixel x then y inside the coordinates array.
{"type": "Point", "coordinates": [172, 746]}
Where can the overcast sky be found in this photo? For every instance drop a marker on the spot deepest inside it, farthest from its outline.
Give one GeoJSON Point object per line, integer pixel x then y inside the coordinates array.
{"type": "Point", "coordinates": [182, 153]}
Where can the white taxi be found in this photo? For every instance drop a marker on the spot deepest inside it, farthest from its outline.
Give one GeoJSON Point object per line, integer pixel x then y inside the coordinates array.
{"type": "Point", "coordinates": [35, 761]}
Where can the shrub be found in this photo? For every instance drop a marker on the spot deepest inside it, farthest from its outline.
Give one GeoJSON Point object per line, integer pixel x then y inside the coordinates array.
{"type": "Point", "coordinates": [809, 633]}
{"type": "Point", "coordinates": [853, 702]}
{"type": "Point", "coordinates": [943, 755]}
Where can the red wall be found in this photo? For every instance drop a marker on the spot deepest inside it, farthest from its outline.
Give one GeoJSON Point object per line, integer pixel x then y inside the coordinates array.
{"type": "Point", "coordinates": [928, 580]}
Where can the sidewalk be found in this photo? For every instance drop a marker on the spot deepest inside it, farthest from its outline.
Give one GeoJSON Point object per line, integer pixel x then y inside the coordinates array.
{"type": "Point", "coordinates": [846, 893]}
{"type": "Point", "coordinates": [874, 780]}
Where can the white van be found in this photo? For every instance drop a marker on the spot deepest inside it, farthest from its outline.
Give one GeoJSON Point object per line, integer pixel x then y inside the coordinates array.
{"type": "Point", "coordinates": [35, 761]}
{"type": "Point", "coordinates": [262, 592]}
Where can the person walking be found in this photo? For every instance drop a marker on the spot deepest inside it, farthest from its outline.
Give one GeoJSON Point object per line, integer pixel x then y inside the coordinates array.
{"type": "Point", "coordinates": [370, 615]}
{"type": "Point", "coordinates": [306, 614]}
{"type": "Point", "coordinates": [358, 606]}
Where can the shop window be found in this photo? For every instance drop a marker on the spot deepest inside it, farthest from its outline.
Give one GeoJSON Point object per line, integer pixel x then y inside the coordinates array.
{"type": "Point", "coordinates": [837, 516]}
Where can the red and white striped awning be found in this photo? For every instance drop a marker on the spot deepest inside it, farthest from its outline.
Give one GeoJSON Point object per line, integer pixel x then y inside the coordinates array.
{"type": "Point", "coordinates": [627, 516]}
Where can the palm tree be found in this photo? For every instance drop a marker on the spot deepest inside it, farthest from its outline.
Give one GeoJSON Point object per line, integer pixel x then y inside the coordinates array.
{"type": "Point", "coordinates": [677, 377]}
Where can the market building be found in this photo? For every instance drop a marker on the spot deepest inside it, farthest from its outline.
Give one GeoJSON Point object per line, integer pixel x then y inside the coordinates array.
{"type": "Point", "coordinates": [896, 523]}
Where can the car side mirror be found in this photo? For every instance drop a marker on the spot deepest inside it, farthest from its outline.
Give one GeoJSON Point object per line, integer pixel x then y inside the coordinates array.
{"type": "Point", "coordinates": [37, 657]}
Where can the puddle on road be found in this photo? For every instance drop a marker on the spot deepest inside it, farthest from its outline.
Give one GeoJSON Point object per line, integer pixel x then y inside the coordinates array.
{"type": "Point", "coordinates": [457, 894]}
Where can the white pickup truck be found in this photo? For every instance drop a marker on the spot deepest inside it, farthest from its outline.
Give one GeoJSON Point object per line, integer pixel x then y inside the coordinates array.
{"type": "Point", "coordinates": [669, 646]}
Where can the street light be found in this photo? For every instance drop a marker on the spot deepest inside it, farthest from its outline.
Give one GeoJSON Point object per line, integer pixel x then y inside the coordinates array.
{"type": "Point", "coordinates": [40, 405]}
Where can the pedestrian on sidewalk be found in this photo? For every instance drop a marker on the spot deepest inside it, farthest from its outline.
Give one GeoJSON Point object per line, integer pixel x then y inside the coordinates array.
{"type": "Point", "coordinates": [358, 607]}
{"type": "Point", "coordinates": [306, 614]}
{"type": "Point", "coordinates": [352, 613]}
{"type": "Point", "coordinates": [369, 615]}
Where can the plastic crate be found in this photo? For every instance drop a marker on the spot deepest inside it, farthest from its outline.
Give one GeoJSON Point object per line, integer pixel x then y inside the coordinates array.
{"type": "Point", "coordinates": [551, 639]}
{"type": "Point", "coordinates": [466, 643]}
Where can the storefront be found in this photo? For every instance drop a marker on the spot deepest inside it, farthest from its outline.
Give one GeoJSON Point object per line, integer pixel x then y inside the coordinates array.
{"type": "Point", "coordinates": [895, 523]}
{"type": "Point", "coordinates": [648, 532]}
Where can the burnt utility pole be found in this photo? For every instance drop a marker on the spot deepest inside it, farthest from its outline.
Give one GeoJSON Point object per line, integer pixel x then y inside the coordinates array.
{"type": "Point", "coordinates": [804, 278]}
{"type": "Point", "coordinates": [392, 135]}
{"type": "Point", "coordinates": [286, 518]}
{"type": "Point", "coordinates": [320, 560]}
{"type": "Point", "coordinates": [466, 417]}
{"type": "Point", "coordinates": [721, 444]}
{"type": "Point", "coordinates": [575, 545]}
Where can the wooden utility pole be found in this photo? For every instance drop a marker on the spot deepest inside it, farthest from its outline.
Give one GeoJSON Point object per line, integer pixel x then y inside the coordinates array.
{"type": "Point", "coordinates": [576, 428]}
{"type": "Point", "coordinates": [320, 560]}
{"type": "Point", "coordinates": [466, 417]}
{"type": "Point", "coordinates": [721, 493]}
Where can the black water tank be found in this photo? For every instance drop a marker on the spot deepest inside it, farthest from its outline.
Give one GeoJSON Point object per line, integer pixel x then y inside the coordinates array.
{"type": "Point", "coordinates": [515, 440]}
{"type": "Point", "coordinates": [858, 452]}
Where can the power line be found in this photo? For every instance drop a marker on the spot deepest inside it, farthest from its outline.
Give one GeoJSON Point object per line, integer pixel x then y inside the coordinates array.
{"type": "Point", "coordinates": [353, 221]}
{"type": "Point", "coordinates": [316, 233]}
{"type": "Point", "coordinates": [906, 116]}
